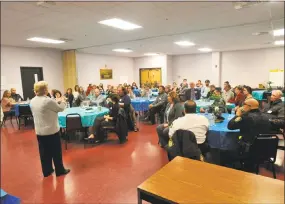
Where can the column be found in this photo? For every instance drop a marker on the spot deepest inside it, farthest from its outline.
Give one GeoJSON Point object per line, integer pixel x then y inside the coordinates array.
{"type": "Point", "coordinates": [69, 69]}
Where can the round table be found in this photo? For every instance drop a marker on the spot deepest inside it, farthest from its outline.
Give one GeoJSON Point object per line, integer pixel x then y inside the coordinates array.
{"type": "Point", "coordinates": [155, 93]}
{"type": "Point", "coordinates": [220, 137]}
{"type": "Point", "coordinates": [87, 117]}
{"type": "Point", "coordinates": [205, 104]}
{"type": "Point", "coordinates": [141, 104]}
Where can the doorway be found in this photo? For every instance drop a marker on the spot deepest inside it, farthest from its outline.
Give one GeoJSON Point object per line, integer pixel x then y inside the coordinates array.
{"type": "Point", "coordinates": [150, 76]}
{"type": "Point", "coordinates": [29, 76]}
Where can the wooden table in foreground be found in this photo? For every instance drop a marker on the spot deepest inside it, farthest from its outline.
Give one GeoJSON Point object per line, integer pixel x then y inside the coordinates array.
{"type": "Point", "coordinates": [188, 181]}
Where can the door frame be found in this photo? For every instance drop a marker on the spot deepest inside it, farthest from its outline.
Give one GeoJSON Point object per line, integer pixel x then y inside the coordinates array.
{"type": "Point", "coordinates": [140, 69]}
{"type": "Point", "coordinates": [22, 68]}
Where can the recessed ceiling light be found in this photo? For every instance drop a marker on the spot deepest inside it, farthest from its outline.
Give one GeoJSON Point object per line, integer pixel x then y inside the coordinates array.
{"type": "Point", "coordinates": [279, 32]}
{"type": "Point", "coordinates": [205, 49]}
{"type": "Point", "coordinates": [184, 43]}
{"type": "Point", "coordinates": [122, 50]}
{"type": "Point", "coordinates": [45, 40]}
{"type": "Point", "coordinates": [119, 23]}
{"type": "Point", "coordinates": [151, 54]}
{"type": "Point", "coordinates": [279, 42]}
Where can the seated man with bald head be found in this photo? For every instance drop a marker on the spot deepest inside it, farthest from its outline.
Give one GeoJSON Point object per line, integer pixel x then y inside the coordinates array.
{"type": "Point", "coordinates": [15, 96]}
{"type": "Point", "coordinates": [251, 121]}
{"type": "Point", "coordinates": [276, 105]}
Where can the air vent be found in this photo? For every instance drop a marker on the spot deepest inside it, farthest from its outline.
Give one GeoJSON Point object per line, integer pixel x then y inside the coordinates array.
{"type": "Point", "coordinates": [45, 4]}
{"type": "Point", "coordinates": [245, 4]}
{"type": "Point", "coordinates": [260, 33]}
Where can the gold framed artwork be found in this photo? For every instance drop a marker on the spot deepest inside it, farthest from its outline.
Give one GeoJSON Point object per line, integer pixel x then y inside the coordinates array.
{"type": "Point", "coordinates": [106, 74]}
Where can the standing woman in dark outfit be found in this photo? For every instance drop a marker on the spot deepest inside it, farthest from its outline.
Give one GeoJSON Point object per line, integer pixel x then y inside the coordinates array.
{"type": "Point", "coordinates": [45, 112]}
{"type": "Point", "coordinates": [69, 96]}
{"type": "Point", "coordinates": [106, 120]}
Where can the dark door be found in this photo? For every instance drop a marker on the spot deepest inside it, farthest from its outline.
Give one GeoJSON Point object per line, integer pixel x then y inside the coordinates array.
{"type": "Point", "coordinates": [29, 76]}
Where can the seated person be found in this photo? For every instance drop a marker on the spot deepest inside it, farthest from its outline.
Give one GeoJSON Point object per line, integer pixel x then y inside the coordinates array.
{"type": "Point", "coordinates": [7, 103]}
{"type": "Point", "coordinates": [106, 120]}
{"type": "Point", "coordinates": [205, 89]}
{"type": "Point", "coordinates": [101, 88]}
{"type": "Point", "coordinates": [198, 124]}
{"type": "Point", "coordinates": [89, 88]}
{"type": "Point", "coordinates": [276, 105]}
{"type": "Point", "coordinates": [211, 92]}
{"type": "Point", "coordinates": [69, 96]}
{"type": "Point", "coordinates": [146, 92]}
{"type": "Point", "coordinates": [251, 122]}
{"type": "Point", "coordinates": [199, 84]}
{"type": "Point", "coordinates": [80, 97]}
{"type": "Point", "coordinates": [192, 93]}
{"type": "Point", "coordinates": [131, 93]}
{"type": "Point", "coordinates": [134, 85]}
{"type": "Point", "coordinates": [76, 92]}
{"type": "Point", "coordinates": [239, 96]}
{"type": "Point", "coordinates": [57, 94]}
{"type": "Point", "coordinates": [173, 111]}
{"type": "Point", "coordinates": [159, 103]}
{"type": "Point", "coordinates": [247, 91]}
{"type": "Point", "coordinates": [98, 99]}
{"type": "Point", "coordinates": [228, 95]}
{"type": "Point", "coordinates": [175, 88]}
{"type": "Point", "coordinates": [167, 89]}
{"type": "Point", "coordinates": [15, 96]}
{"type": "Point", "coordinates": [218, 102]}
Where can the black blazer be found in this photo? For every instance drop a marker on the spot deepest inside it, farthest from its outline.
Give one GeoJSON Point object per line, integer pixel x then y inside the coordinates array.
{"type": "Point", "coordinates": [184, 145]}
{"type": "Point", "coordinates": [197, 94]}
{"type": "Point", "coordinates": [175, 112]}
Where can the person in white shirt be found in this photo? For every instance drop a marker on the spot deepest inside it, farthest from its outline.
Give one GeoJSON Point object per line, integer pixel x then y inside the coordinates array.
{"type": "Point", "coordinates": [76, 92]}
{"type": "Point", "coordinates": [45, 110]}
{"type": "Point", "coordinates": [198, 124]}
{"type": "Point", "coordinates": [205, 89]}
{"type": "Point", "coordinates": [228, 95]}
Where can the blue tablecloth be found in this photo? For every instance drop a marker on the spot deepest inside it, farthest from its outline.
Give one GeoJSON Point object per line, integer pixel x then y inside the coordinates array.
{"type": "Point", "coordinates": [141, 104]}
{"type": "Point", "coordinates": [258, 95]}
{"type": "Point", "coordinates": [16, 108]}
{"type": "Point", "coordinates": [87, 117]}
{"type": "Point", "coordinates": [220, 137]}
{"type": "Point", "coordinates": [8, 199]}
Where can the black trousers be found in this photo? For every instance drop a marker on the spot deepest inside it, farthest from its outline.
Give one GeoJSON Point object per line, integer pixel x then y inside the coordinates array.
{"type": "Point", "coordinates": [152, 113]}
{"type": "Point", "coordinates": [97, 127]}
{"type": "Point", "coordinates": [50, 150]}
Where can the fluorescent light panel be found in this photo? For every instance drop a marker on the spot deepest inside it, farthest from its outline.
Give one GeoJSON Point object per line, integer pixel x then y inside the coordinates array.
{"type": "Point", "coordinates": [279, 32]}
{"type": "Point", "coordinates": [151, 54]}
{"type": "Point", "coordinates": [122, 50]}
{"type": "Point", "coordinates": [45, 40]}
{"type": "Point", "coordinates": [279, 42]}
{"type": "Point", "coordinates": [205, 49]}
{"type": "Point", "coordinates": [184, 43]}
{"type": "Point", "coordinates": [119, 23]}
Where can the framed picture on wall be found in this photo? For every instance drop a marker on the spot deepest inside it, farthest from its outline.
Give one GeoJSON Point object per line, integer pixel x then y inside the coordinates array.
{"type": "Point", "coordinates": [106, 74]}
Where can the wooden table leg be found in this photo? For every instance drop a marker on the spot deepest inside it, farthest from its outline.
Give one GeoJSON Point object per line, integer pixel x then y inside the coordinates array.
{"type": "Point", "coordinates": [139, 197]}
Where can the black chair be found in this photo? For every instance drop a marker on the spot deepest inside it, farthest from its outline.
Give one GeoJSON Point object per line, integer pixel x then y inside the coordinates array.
{"type": "Point", "coordinates": [263, 150]}
{"type": "Point", "coordinates": [25, 114]}
{"type": "Point", "coordinates": [73, 125]}
{"type": "Point", "coordinates": [120, 128]}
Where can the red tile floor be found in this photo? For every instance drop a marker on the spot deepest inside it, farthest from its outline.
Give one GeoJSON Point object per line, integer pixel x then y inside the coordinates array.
{"type": "Point", "coordinates": [108, 173]}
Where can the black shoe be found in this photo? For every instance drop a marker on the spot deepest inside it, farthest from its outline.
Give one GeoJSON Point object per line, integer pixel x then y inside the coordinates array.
{"type": "Point", "coordinates": [47, 175]}
{"type": "Point", "coordinates": [66, 171]}
{"type": "Point", "coordinates": [123, 141]}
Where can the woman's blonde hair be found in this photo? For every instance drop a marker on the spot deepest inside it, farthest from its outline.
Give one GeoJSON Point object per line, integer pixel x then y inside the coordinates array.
{"type": "Point", "coordinates": [40, 88]}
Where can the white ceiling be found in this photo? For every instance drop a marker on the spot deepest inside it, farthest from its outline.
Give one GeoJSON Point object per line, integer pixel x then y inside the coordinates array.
{"type": "Point", "coordinates": [217, 25]}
